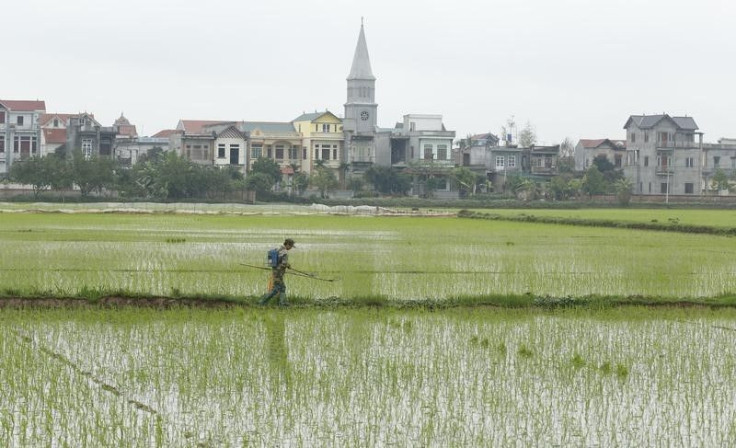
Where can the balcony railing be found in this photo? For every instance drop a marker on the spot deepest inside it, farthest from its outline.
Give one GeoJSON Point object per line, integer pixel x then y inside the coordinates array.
{"type": "Point", "coordinates": [677, 145]}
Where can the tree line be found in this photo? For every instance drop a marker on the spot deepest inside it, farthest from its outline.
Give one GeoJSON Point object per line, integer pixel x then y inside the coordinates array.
{"type": "Point", "coordinates": [166, 176]}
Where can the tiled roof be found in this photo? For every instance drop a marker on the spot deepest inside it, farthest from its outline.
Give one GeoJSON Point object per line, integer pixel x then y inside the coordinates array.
{"type": "Point", "coordinates": [54, 135]}
{"type": "Point", "coordinates": [313, 116]}
{"type": "Point", "coordinates": [46, 118]}
{"type": "Point", "coordinates": [165, 133]}
{"type": "Point", "coordinates": [24, 105]}
{"type": "Point", "coordinates": [595, 143]}
{"type": "Point", "coordinates": [309, 117]}
{"type": "Point", "coordinates": [268, 127]}
{"type": "Point", "coordinates": [587, 143]}
{"type": "Point", "coordinates": [649, 121]}
{"type": "Point", "coordinates": [197, 126]}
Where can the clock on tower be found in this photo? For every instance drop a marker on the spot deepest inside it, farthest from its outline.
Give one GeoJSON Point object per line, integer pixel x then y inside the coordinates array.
{"type": "Point", "coordinates": [364, 115]}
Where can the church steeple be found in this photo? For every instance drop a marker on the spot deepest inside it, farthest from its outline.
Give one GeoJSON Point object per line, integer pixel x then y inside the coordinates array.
{"type": "Point", "coordinates": [361, 108]}
{"type": "Point", "coordinates": [361, 68]}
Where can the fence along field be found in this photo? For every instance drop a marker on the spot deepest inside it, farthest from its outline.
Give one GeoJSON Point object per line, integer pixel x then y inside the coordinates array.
{"type": "Point", "coordinates": [395, 258]}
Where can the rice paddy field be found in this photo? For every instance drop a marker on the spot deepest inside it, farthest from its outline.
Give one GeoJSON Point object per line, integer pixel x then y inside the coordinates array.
{"type": "Point", "coordinates": [394, 258]}
{"type": "Point", "coordinates": [314, 375]}
{"type": "Point", "coordinates": [347, 377]}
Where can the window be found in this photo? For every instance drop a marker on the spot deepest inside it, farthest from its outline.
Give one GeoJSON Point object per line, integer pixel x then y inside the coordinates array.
{"type": "Point", "coordinates": [633, 137]}
{"type": "Point", "coordinates": [325, 152]}
{"type": "Point", "coordinates": [500, 162]}
{"type": "Point", "coordinates": [663, 187]}
{"type": "Point", "coordinates": [511, 161]}
{"type": "Point", "coordinates": [441, 152]}
{"type": "Point", "coordinates": [663, 137]}
{"type": "Point", "coordinates": [2, 145]}
{"type": "Point", "coordinates": [689, 188]}
{"type": "Point", "coordinates": [279, 152]}
{"type": "Point", "coordinates": [412, 126]}
{"type": "Point", "coordinates": [2, 116]}
{"type": "Point", "coordinates": [56, 122]}
{"type": "Point", "coordinates": [325, 128]}
{"type": "Point", "coordinates": [646, 137]}
{"type": "Point", "coordinates": [293, 153]}
{"type": "Point", "coordinates": [221, 150]}
{"type": "Point", "coordinates": [20, 120]}
{"type": "Point", "coordinates": [269, 152]}
{"type": "Point", "coordinates": [618, 160]}
{"type": "Point", "coordinates": [716, 161]}
{"type": "Point", "coordinates": [427, 152]}
{"type": "Point", "coordinates": [689, 162]}
{"type": "Point", "coordinates": [256, 151]}
{"type": "Point", "coordinates": [87, 148]}
{"type": "Point", "coordinates": [334, 153]}
{"type": "Point", "coordinates": [646, 160]}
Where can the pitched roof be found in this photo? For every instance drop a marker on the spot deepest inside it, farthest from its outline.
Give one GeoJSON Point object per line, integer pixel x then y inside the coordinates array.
{"type": "Point", "coordinates": [54, 135]}
{"type": "Point", "coordinates": [269, 127]}
{"type": "Point", "coordinates": [596, 143]}
{"type": "Point", "coordinates": [361, 68]}
{"type": "Point", "coordinates": [197, 126]}
{"type": "Point", "coordinates": [649, 121]}
{"type": "Point", "coordinates": [308, 117]}
{"type": "Point", "coordinates": [165, 133]}
{"type": "Point", "coordinates": [45, 119]}
{"type": "Point", "coordinates": [24, 105]}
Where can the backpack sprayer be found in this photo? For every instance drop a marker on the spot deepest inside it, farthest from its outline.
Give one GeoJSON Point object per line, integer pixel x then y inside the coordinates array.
{"type": "Point", "coordinates": [272, 261]}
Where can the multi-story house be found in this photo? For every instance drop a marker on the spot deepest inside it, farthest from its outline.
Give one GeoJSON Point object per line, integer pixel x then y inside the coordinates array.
{"type": "Point", "coordinates": [20, 131]}
{"type": "Point", "coordinates": [193, 141]}
{"type": "Point", "coordinates": [230, 146]}
{"type": "Point", "coordinates": [53, 135]}
{"type": "Point", "coordinates": [427, 149]}
{"type": "Point", "coordinates": [323, 141]}
{"type": "Point", "coordinates": [542, 160]}
{"type": "Point", "coordinates": [719, 156]}
{"type": "Point", "coordinates": [277, 141]}
{"type": "Point", "coordinates": [588, 149]}
{"type": "Point", "coordinates": [129, 146]}
{"type": "Point", "coordinates": [663, 155]}
{"type": "Point", "coordinates": [87, 135]}
{"type": "Point", "coordinates": [475, 150]}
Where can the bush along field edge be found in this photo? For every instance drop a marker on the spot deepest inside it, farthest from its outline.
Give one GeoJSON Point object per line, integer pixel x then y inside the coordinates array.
{"type": "Point", "coordinates": [671, 226]}
{"type": "Point", "coordinates": [112, 299]}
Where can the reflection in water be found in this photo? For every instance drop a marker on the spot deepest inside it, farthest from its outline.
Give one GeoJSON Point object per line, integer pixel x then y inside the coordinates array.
{"type": "Point", "coordinates": [276, 353]}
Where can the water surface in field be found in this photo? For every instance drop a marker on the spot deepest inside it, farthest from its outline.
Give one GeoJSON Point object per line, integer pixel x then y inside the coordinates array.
{"type": "Point", "coordinates": [305, 377]}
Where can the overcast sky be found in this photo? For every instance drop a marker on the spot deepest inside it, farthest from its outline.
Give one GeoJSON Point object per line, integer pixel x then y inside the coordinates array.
{"type": "Point", "coordinates": [571, 68]}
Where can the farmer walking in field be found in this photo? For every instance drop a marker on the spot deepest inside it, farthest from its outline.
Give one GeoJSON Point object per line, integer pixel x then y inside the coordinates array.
{"type": "Point", "coordinates": [278, 269]}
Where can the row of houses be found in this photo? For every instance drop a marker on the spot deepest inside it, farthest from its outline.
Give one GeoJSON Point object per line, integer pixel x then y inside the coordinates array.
{"type": "Point", "coordinates": [663, 155]}
{"type": "Point", "coordinates": [660, 155]}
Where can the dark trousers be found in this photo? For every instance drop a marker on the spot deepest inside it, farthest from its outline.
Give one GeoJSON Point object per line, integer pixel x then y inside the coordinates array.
{"type": "Point", "coordinates": [279, 288]}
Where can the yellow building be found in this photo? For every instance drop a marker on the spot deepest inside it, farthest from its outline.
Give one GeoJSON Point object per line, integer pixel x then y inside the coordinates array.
{"type": "Point", "coordinates": [323, 141]}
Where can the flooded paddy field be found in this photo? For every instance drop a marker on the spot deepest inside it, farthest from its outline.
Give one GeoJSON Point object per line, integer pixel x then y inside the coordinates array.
{"type": "Point", "coordinates": [367, 377]}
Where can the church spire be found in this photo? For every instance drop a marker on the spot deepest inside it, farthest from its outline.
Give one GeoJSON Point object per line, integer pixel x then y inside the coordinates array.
{"type": "Point", "coordinates": [361, 68]}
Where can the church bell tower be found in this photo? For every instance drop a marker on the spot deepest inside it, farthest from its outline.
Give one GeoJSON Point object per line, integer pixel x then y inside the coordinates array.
{"type": "Point", "coordinates": [361, 107]}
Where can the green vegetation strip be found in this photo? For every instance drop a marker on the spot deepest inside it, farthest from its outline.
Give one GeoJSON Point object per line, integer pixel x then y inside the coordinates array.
{"type": "Point", "coordinates": [9, 299]}
{"type": "Point", "coordinates": [671, 226]}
